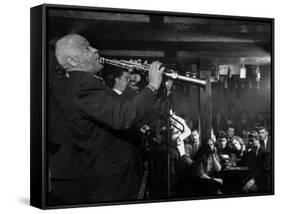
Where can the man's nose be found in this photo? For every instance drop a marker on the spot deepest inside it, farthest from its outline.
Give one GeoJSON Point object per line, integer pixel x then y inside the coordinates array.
{"type": "Point", "coordinates": [94, 50]}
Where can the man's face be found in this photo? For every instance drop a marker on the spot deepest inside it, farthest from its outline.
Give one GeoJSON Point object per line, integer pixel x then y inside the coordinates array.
{"type": "Point", "coordinates": [86, 56]}
{"type": "Point", "coordinates": [263, 134]}
{"type": "Point", "coordinates": [211, 145]}
{"type": "Point", "coordinates": [195, 136]}
{"type": "Point", "coordinates": [245, 133]}
{"type": "Point", "coordinates": [235, 144]}
{"type": "Point", "coordinates": [122, 82]}
{"type": "Point", "coordinates": [222, 142]}
{"type": "Point", "coordinates": [230, 132]}
{"type": "Point", "coordinates": [255, 144]}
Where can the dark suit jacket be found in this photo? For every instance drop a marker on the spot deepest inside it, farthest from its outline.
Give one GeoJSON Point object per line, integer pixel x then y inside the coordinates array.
{"type": "Point", "coordinates": [100, 161]}
{"type": "Point", "coordinates": [259, 168]}
{"type": "Point", "coordinates": [268, 144]}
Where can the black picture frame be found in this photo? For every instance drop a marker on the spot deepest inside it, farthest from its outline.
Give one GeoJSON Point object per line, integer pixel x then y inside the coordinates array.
{"type": "Point", "coordinates": [39, 40]}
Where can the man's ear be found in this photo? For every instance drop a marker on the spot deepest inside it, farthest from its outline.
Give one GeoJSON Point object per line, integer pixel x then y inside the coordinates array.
{"type": "Point", "coordinates": [116, 78]}
{"type": "Point", "coordinates": [71, 62]}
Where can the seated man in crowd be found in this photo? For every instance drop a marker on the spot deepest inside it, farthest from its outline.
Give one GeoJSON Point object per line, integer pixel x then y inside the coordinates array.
{"type": "Point", "coordinates": [221, 146]}
{"type": "Point", "coordinates": [245, 137]}
{"type": "Point", "coordinates": [93, 164]}
{"type": "Point", "coordinates": [191, 146]}
{"type": "Point", "coordinates": [230, 131]}
{"type": "Point", "coordinates": [252, 134]}
{"type": "Point", "coordinates": [265, 140]}
{"type": "Point", "coordinates": [258, 159]}
{"type": "Point", "coordinates": [221, 143]}
{"type": "Point", "coordinates": [234, 143]}
{"type": "Point", "coordinates": [122, 81]}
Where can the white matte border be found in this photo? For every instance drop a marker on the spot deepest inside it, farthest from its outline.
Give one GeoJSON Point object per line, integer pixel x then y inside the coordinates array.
{"type": "Point", "coordinates": [14, 112]}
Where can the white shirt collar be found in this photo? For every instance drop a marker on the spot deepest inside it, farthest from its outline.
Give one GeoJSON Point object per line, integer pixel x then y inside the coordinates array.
{"type": "Point", "coordinates": [117, 91]}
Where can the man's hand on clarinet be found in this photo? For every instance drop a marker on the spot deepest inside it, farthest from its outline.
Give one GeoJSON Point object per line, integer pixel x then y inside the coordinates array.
{"type": "Point", "coordinates": [155, 74]}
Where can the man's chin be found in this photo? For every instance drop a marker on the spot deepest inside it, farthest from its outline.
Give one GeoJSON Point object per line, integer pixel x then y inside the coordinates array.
{"type": "Point", "coordinates": [97, 69]}
{"type": "Point", "coordinates": [100, 67]}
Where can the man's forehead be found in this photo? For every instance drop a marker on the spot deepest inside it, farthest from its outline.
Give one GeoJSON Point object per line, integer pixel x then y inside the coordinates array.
{"type": "Point", "coordinates": [262, 131]}
{"type": "Point", "coordinates": [79, 41]}
{"type": "Point", "coordinates": [125, 74]}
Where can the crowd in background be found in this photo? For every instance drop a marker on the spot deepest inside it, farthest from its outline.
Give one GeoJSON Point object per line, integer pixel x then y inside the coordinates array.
{"type": "Point", "coordinates": [238, 145]}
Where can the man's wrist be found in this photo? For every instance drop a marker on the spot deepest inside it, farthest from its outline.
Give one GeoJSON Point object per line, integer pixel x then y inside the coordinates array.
{"type": "Point", "coordinates": [152, 88]}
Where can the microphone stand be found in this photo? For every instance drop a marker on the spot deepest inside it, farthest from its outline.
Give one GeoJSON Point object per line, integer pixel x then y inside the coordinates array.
{"type": "Point", "coordinates": [169, 142]}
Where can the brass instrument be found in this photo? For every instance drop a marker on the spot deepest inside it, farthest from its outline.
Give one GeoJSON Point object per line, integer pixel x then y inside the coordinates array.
{"type": "Point", "coordinates": [172, 74]}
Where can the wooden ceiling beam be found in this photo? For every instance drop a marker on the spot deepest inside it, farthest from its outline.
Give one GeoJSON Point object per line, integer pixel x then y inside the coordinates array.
{"type": "Point", "coordinates": [163, 32]}
{"type": "Point", "coordinates": [180, 46]}
{"type": "Point", "coordinates": [183, 21]}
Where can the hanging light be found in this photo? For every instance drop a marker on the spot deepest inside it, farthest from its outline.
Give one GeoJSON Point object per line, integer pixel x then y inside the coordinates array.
{"type": "Point", "coordinates": [243, 72]}
{"type": "Point", "coordinates": [258, 76]}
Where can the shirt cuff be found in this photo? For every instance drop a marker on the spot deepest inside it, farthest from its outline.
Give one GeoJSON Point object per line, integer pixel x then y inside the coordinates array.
{"type": "Point", "coordinates": [152, 88]}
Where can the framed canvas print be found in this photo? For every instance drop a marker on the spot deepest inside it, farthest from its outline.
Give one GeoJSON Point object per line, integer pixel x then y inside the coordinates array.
{"type": "Point", "coordinates": [131, 106]}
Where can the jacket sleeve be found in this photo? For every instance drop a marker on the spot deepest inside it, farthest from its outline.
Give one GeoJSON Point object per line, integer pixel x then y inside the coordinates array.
{"type": "Point", "coordinates": [186, 159]}
{"type": "Point", "coordinates": [97, 104]}
{"type": "Point", "coordinates": [264, 165]}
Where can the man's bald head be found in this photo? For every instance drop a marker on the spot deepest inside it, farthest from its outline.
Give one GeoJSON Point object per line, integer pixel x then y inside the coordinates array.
{"type": "Point", "coordinates": [66, 47]}
{"type": "Point", "coordinates": [74, 52]}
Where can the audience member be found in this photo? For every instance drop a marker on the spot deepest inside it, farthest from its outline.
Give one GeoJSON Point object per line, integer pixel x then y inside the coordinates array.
{"type": "Point", "coordinates": [259, 162]}
{"type": "Point", "coordinates": [191, 146]}
{"type": "Point", "coordinates": [230, 131]}
{"type": "Point", "coordinates": [236, 146]}
{"type": "Point", "coordinates": [206, 163]}
{"type": "Point", "coordinates": [221, 142]}
{"type": "Point", "coordinates": [265, 140]}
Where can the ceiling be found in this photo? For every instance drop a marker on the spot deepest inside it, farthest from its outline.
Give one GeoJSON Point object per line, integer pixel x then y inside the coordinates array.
{"type": "Point", "coordinates": [171, 38]}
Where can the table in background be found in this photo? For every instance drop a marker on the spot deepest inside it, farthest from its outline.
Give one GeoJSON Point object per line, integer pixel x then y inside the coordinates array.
{"type": "Point", "coordinates": [233, 179]}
